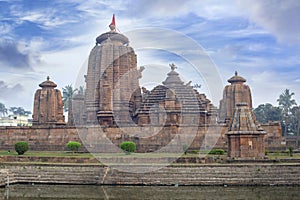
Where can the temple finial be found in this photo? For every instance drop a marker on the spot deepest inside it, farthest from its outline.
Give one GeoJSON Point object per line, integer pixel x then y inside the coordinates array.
{"type": "Point", "coordinates": [48, 78]}
{"type": "Point", "coordinates": [173, 67]}
{"type": "Point", "coordinates": [235, 73]}
{"type": "Point", "coordinates": [112, 25]}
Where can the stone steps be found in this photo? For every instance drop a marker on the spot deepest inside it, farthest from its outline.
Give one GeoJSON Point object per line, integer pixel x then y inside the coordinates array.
{"type": "Point", "coordinates": [184, 175]}
{"type": "Point", "coordinates": [190, 176]}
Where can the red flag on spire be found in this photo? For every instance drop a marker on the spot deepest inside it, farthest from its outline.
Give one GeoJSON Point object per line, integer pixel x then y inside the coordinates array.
{"type": "Point", "coordinates": [113, 21]}
{"type": "Point", "coordinates": [112, 25]}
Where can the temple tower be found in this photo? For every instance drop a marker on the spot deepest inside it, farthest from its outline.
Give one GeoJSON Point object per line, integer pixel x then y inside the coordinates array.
{"type": "Point", "coordinates": [48, 105]}
{"type": "Point", "coordinates": [235, 93]}
{"type": "Point", "coordinates": [112, 80]}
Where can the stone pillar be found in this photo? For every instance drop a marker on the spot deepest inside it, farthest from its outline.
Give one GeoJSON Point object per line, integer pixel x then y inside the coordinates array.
{"type": "Point", "coordinates": [48, 105]}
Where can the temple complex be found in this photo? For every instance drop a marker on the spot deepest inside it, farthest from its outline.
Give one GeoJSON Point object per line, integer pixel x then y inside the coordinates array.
{"type": "Point", "coordinates": [114, 99]}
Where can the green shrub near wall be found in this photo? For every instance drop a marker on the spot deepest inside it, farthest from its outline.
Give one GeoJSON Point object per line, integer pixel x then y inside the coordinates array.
{"type": "Point", "coordinates": [73, 146]}
{"type": "Point", "coordinates": [128, 146]}
{"type": "Point", "coordinates": [21, 147]}
{"type": "Point", "coordinates": [217, 152]}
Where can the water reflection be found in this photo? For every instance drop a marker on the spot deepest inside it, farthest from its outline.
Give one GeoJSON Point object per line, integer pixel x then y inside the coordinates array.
{"type": "Point", "coordinates": [49, 192]}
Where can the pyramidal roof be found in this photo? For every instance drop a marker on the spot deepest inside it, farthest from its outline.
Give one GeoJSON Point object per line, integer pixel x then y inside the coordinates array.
{"type": "Point", "coordinates": [244, 121]}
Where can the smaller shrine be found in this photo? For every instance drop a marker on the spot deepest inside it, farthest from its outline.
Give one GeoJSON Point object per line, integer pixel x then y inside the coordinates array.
{"type": "Point", "coordinates": [245, 137]}
{"type": "Point", "coordinates": [234, 93]}
{"type": "Point", "coordinates": [48, 105]}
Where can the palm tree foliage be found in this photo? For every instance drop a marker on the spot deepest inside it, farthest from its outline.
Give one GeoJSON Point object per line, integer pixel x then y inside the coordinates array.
{"type": "Point", "coordinates": [81, 90]}
{"type": "Point", "coordinates": [19, 111]}
{"type": "Point", "coordinates": [3, 109]}
{"type": "Point", "coordinates": [286, 102]}
{"type": "Point", "coordinates": [68, 93]}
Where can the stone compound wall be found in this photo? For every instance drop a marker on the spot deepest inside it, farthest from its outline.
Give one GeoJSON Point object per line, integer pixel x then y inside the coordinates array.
{"type": "Point", "coordinates": [221, 174]}
{"type": "Point", "coordinates": [39, 139]}
{"type": "Point", "coordinates": [55, 138]}
{"type": "Point", "coordinates": [274, 135]}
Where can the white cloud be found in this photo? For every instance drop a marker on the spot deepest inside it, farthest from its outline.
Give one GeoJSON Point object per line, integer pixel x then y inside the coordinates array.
{"type": "Point", "coordinates": [45, 17]}
{"type": "Point", "coordinates": [5, 28]}
{"type": "Point", "coordinates": [13, 92]}
{"type": "Point", "coordinates": [281, 18]}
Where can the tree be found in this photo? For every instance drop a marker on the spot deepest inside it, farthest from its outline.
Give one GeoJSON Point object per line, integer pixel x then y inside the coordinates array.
{"type": "Point", "coordinates": [267, 112]}
{"type": "Point", "coordinates": [295, 120]}
{"type": "Point", "coordinates": [81, 90]}
{"type": "Point", "coordinates": [3, 109]}
{"type": "Point", "coordinates": [19, 111]}
{"type": "Point", "coordinates": [68, 93]}
{"type": "Point", "coordinates": [286, 102]}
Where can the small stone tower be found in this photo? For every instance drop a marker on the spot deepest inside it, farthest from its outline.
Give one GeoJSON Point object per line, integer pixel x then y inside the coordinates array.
{"type": "Point", "coordinates": [112, 87]}
{"type": "Point", "coordinates": [48, 105]}
{"type": "Point", "coordinates": [235, 93]}
{"type": "Point", "coordinates": [245, 137]}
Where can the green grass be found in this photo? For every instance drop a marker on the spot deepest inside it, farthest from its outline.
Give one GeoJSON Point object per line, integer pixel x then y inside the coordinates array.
{"type": "Point", "coordinates": [89, 155]}
{"type": "Point", "coordinates": [283, 155]}
{"type": "Point", "coordinates": [132, 155]}
{"type": "Point", "coordinates": [47, 154]}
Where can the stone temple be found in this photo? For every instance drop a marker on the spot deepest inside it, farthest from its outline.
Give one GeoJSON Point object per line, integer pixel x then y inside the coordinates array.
{"type": "Point", "coordinates": [115, 101]}
{"type": "Point", "coordinates": [48, 105]}
{"type": "Point", "coordinates": [113, 95]}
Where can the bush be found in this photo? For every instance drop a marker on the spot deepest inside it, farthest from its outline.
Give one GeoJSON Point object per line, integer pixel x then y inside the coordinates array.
{"type": "Point", "coordinates": [128, 146]}
{"type": "Point", "coordinates": [291, 150]}
{"type": "Point", "coordinates": [21, 147]}
{"type": "Point", "coordinates": [217, 152]}
{"type": "Point", "coordinates": [73, 146]}
{"type": "Point", "coordinates": [185, 148]}
{"type": "Point", "coordinates": [267, 152]}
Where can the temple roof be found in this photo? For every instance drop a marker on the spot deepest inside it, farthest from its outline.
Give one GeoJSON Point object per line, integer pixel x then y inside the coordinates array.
{"type": "Point", "coordinates": [173, 87]}
{"type": "Point", "coordinates": [236, 79]}
{"type": "Point", "coordinates": [173, 77]}
{"type": "Point", "coordinates": [244, 121]}
{"type": "Point", "coordinates": [113, 36]}
{"type": "Point", "coordinates": [48, 83]}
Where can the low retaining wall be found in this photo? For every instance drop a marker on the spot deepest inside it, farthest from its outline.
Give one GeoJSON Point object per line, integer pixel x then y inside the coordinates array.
{"type": "Point", "coordinates": [193, 174]}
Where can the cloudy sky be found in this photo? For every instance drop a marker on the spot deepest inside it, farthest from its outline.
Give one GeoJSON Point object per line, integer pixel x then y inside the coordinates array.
{"type": "Point", "coordinates": [259, 39]}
